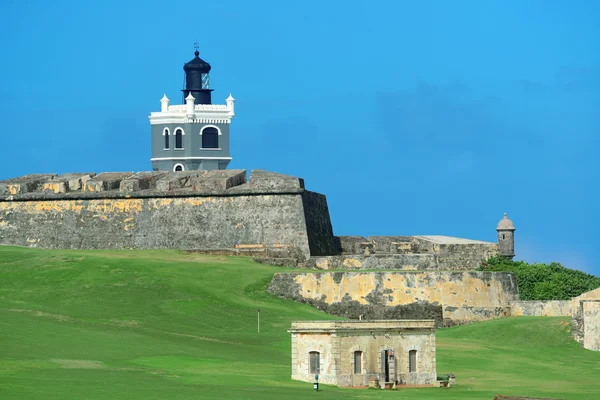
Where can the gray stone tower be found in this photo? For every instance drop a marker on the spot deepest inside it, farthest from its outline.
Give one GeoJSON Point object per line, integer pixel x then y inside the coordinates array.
{"type": "Point", "coordinates": [506, 237]}
{"type": "Point", "coordinates": [194, 135]}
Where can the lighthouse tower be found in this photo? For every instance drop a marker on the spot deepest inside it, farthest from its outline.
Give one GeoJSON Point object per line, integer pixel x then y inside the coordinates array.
{"type": "Point", "coordinates": [193, 135]}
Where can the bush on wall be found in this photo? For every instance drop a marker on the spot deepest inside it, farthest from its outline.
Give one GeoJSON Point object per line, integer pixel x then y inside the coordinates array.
{"type": "Point", "coordinates": [544, 281]}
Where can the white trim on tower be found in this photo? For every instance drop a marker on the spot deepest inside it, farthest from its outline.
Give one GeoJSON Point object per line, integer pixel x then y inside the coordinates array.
{"type": "Point", "coordinates": [189, 158]}
{"type": "Point", "coordinates": [211, 126]}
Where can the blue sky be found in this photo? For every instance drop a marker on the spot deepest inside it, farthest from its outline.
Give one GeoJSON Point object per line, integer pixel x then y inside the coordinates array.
{"type": "Point", "coordinates": [420, 117]}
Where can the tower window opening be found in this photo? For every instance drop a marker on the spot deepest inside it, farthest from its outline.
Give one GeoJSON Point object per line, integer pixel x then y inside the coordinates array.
{"type": "Point", "coordinates": [205, 81]}
{"type": "Point", "coordinates": [412, 361]}
{"type": "Point", "coordinates": [314, 361]}
{"type": "Point", "coordinates": [210, 138]}
{"type": "Point", "coordinates": [503, 236]}
{"type": "Point", "coordinates": [166, 135]}
{"type": "Point", "coordinates": [179, 139]}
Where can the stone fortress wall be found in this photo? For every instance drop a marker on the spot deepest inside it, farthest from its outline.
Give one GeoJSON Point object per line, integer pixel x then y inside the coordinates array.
{"type": "Point", "coordinates": [536, 308]}
{"type": "Point", "coordinates": [450, 298]}
{"type": "Point", "coordinates": [197, 210]}
{"type": "Point", "coordinates": [273, 217]}
{"type": "Point", "coordinates": [423, 253]}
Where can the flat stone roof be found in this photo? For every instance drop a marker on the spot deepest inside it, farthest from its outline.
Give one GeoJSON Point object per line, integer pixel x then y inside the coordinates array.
{"type": "Point", "coordinates": [149, 184]}
{"type": "Point", "coordinates": [439, 239]}
{"type": "Point", "coordinates": [365, 325]}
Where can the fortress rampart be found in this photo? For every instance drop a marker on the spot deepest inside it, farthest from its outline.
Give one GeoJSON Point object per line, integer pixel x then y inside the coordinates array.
{"type": "Point", "coordinates": [196, 210]}
{"type": "Point", "coordinates": [450, 298]}
{"type": "Point", "coordinates": [422, 253]}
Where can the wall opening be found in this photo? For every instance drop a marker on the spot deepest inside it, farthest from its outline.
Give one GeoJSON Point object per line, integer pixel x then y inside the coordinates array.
{"type": "Point", "coordinates": [178, 168]}
{"type": "Point", "coordinates": [179, 139]}
{"type": "Point", "coordinates": [412, 361]}
{"type": "Point", "coordinates": [314, 362]}
{"type": "Point", "coordinates": [358, 362]}
{"type": "Point", "coordinates": [210, 138]}
{"type": "Point", "coordinates": [166, 135]}
{"type": "Point", "coordinates": [387, 360]}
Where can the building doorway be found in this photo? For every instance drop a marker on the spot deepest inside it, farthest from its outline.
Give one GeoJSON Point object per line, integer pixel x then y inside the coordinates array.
{"type": "Point", "coordinates": [388, 367]}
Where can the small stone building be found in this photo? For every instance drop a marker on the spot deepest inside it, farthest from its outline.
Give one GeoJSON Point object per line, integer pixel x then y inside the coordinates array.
{"type": "Point", "coordinates": [353, 353]}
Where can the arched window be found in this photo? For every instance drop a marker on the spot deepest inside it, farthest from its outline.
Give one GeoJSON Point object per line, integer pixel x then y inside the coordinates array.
{"type": "Point", "coordinates": [178, 167]}
{"type": "Point", "coordinates": [412, 361]}
{"type": "Point", "coordinates": [166, 135]}
{"type": "Point", "coordinates": [179, 139]}
{"type": "Point", "coordinates": [210, 138]}
{"type": "Point", "coordinates": [358, 362]}
{"type": "Point", "coordinates": [314, 361]}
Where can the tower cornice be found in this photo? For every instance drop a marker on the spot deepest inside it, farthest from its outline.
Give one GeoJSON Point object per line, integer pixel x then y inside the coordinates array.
{"type": "Point", "coordinates": [203, 113]}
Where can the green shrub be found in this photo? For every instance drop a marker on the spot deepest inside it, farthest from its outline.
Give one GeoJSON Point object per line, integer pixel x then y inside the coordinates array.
{"type": "Point", "coordinates": [543, 281]}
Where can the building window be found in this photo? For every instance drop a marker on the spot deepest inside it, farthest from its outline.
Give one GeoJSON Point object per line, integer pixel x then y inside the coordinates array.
{"type": "Point", "coordinates": [314, 362]}
{"type": "Point", "coordinates": [179, 139]}
{"type": "Point", "coordinates": [178, 168]}
{"type": "Point", "coordinates": [166, 135]}
{"type": "Point", "coordinates": [358, 362]}
{"type": "Point", "coordinates": [210, 138]}
{"type": "Point", "coordinates": [412, 361]}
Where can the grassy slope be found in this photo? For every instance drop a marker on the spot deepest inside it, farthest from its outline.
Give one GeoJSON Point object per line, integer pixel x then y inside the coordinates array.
{"type": "Point", "coordinates": [163, 324]}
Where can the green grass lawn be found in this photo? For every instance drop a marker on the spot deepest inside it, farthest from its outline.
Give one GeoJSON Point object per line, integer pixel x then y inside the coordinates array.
{"type": "Point", "coordinates": [172, 325]}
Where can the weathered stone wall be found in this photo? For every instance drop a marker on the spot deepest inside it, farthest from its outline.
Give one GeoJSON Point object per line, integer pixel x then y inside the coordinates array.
{"type": "Point", "coordinates": [208, 210]}
{"type": "Point", "coordinates": [591, 324]}
{"type": "Point", "coordinates": [302, 344]}
{"type": "Point", "coordinates": [409, 253]}
{"type": "Point", "coordinates": [550, 308]}
{"type": "Point", "coordinates": [407, 262]}
{"type": "Point", "coordinates": [318, 224]}
{"type": "Point", "coordinates": [591, 295]}
{"type": "Point", "coordinates": [586, 324]}
{"type": "Point", "coordinates": [450, 298]}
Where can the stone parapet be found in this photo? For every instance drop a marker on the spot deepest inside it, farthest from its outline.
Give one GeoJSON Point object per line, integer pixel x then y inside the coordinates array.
{"type": "Point", "coordinates": [140, 181]}
{"type": "Point", "coordinates": [151, 184]}
{"type": "Point", "coordinates": [446, 253]}
{"type": "Point", "coordinates": [25, 184]}
{"type": "Point", "coordinates": [271, 181]}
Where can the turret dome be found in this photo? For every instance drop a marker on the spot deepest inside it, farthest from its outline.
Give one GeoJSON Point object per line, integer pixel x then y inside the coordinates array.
{"type": "Point", "coordinates": [505, 224]}
{"type": "Point", "coordinates": [197, 64]}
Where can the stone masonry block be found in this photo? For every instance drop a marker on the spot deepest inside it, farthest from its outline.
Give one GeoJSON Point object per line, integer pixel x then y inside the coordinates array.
{"type": "Point", "coordinates": [71, 182]}
{"type": "Point", "coordinates": [24, 184]}
{"type": "Point", "coordinates": [54, 187]}
{"type": "Point", "coordinates": [177, 180]}
{"type": "Point", "coordinates": [106, 181]}
{"type": "Point", "coordinates": [351, 244]}
{"type": "Point", "coordinates": [271, 180]}
{"type": "Point", "coordinates": [219, 180]}
{"type": "Point", "coordinates": [141, 181]}
{"type": "Point", "coordinates": [76, 181]}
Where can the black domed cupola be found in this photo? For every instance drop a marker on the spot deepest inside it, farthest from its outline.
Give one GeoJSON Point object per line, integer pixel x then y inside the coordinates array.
{"type": "Point", "coordinates": [197, 80]}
